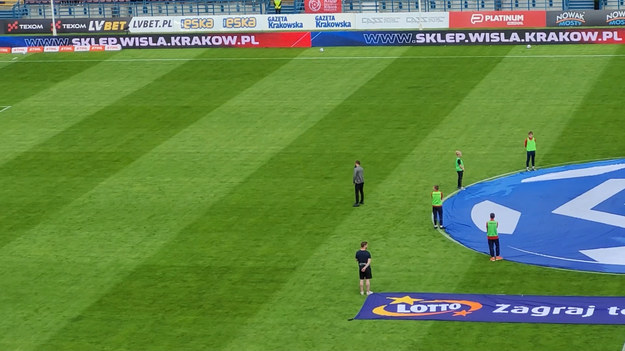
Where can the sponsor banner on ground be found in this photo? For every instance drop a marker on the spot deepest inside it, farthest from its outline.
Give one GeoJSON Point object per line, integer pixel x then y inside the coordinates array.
{"type": "Point", "coordinates": [251, 23]}
{"type": "Point", "coordinates": [495, 308]}
{"type": "Point", "coordinates": [470, 37]}
{"type": "Point", "coordinates": [580, 207]}
{"type": "Point", "coordinates": [148, 41]}
{"type": "Point", "coordinates": [402, 20]}
{"type": "Point", "coordinates": [64, 25]}
{"type": "Point", "coordinates": [497, 19]}
{"type": "Point", "coordinates": [588, 18]}
{"type": "Point", "coordinates": [322, 6]}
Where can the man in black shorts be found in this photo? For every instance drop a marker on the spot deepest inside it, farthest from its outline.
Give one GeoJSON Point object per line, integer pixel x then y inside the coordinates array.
{"type": "Point", "coordinates": [363, 257]}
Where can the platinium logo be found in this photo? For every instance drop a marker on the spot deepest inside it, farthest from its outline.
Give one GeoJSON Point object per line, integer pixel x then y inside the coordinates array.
{"type": "Point", "coordinates": [413, 307]}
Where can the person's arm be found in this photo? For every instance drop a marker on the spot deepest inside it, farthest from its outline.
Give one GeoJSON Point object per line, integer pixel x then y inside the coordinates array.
{"type": "Point", "coordinates": [441, 196]}
{"type": "Point", "coordinates": [460, 164]}
{"type": "Point", "coordinates": [525, 142]}
{"type": "Point", "coordinates": [364, 268]}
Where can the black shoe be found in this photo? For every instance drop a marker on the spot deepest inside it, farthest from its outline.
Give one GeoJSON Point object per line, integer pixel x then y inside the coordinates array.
{"type": "Point", "coordinates": [356, 204]}
{"type": "Point", "coordinates": [362, 203]}
{"type": "Point", "coordinates": [442, 227]}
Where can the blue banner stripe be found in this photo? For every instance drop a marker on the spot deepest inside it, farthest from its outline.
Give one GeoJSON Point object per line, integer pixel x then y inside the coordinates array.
{"type": "Point", "coordinates": [495, 308]}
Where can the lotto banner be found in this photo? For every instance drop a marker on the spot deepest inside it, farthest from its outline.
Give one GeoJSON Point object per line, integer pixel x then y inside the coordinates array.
{"type": "Point", "coordinates": [494, 308]}
{"type": "Point", "coordinates": [259, 40]}
{"type": "Point", "coordinates": [497, 19]}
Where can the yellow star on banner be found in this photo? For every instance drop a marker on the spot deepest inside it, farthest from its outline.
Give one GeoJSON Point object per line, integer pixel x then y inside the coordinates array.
{"type": "Point", "coordinates": [462, 313]}
{"type": "Point", "coordinates": [406, 299]}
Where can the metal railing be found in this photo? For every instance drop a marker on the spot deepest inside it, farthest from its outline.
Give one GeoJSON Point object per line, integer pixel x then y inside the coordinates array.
{"type": "Point", "coordinates": [612, 5]}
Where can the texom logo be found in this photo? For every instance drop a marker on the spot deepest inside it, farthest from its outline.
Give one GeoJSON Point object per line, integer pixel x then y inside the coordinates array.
{"type": "Point", "coordinates": [569, 217]}
{"type": "Point", "coordinates": [56, 24]}
{"type": "Point", "coordinates": [12, 26]}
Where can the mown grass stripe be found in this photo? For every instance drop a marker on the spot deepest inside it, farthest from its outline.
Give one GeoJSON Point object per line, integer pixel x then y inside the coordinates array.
{"type": "Point", "coordinates": [129, 216]}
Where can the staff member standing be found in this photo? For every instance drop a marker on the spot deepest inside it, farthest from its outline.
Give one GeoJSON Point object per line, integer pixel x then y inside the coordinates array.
{"type": "Point", "coordinates": [363, 257]}
{"type": "Point", "coordinates": [437, 206]}
{"type": "Point", "coordinates": [459, 168]}
{"type": "Point", "coordinates": [493, 238]}
{"type": "Point", "coordinates": [277, 5]}
{"type": "Point", "coordinates": [359, 184]}
{"type": "Point", "coordinates": [530, 148]}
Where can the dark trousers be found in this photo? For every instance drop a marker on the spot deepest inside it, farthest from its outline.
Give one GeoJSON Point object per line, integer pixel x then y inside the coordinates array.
{"type": "Point", "coordinates": [493, 247]}
{"type": "Point", "coordinates": [278, 10]}
{"type": "Point", "coordinates": [460, 174]}
{"type": "Point", "coordinates": [438, 211]}
{"type": "Point", "coordinates": [360, 189]}
{"type": "Point", "coordinates": [532, 155]}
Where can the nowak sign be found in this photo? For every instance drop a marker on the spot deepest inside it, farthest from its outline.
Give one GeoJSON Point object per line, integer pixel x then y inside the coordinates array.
{"type": "Point", "coordinates": [495, 308]}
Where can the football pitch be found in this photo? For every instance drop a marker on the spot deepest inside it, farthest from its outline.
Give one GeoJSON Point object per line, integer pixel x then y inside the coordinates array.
{"type": "Point", "coordinates": [202, 199]}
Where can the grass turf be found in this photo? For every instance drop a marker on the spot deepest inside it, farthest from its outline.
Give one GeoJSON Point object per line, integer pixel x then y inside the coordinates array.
{"type": "Point", "coordinates": [203, 200]}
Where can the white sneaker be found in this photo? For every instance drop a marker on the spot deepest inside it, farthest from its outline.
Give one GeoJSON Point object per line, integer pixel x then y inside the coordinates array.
{"type": "Point", "coordinates": [362, 293]}
{"type": "Point", "coordinates": [369, 292]}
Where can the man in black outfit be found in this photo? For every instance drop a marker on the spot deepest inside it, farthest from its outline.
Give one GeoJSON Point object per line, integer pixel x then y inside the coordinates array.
{"type": "Point", "coordinates": [363, 257]}
{"type": "Point", "coordinates": [359, 184]}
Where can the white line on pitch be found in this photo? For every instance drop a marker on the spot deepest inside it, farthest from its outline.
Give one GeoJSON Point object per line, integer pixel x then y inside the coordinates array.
{"type": "Point", "coordinates": [4, 108]}
{"type": "Point", "coordinates": [332, 58]}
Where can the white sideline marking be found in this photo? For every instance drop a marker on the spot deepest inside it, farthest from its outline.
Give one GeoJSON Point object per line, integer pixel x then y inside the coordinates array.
{"type": "Point", "coordinates": [325, 58]}
{"type": "Point", "coordinates": [4, 108]}
{"type": "Point", "coordinates": [576, 173]}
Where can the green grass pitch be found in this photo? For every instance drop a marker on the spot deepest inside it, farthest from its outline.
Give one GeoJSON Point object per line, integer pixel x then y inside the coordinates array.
{"type": "Point", "coordinates": [201, 199]}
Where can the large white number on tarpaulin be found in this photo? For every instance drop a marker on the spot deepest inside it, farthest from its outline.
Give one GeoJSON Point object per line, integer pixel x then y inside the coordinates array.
{"type": "Point", "coordinates": [582, 206]}
{"type": "Point", "coordinates": [507, 217]}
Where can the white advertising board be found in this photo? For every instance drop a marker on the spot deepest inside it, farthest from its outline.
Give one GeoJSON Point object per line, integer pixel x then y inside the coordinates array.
{"type": "Point", "coordinates": [299, 22]}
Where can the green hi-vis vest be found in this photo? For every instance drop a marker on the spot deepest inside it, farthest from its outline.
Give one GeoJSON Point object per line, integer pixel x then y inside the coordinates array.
{"type": "Point", "coordinates": [491, 229]}
{"type": "Point", "coordinates": [437, 198]}
{"type": "Point", "coordinates": [277, 4]}
{"type": "Point", "coordinates": [458, 165]}
{"type": "Point", "coordinates": [531, 144]}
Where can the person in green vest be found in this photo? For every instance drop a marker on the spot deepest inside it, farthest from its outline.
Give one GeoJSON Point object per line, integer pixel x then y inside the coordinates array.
{"type": "Point", "coordinates": [277, 5]}
{"type": "Point", "coordinates": [530, 147]}
{"type": "Point", "coordinates": [459, 168]}
{"type": "Point", "coordinates": [493, 238]}
{"type": "Point", "coordinates": [437, 206]}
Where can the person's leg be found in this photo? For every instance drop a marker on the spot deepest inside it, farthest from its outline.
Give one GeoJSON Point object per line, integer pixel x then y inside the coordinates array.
{"type": "Point", "coordinates": [440, 216]}
{"type": "Point", "coordinates": [533, 154]}
{"type": "Point", "coordinates": [434, 214]}
{"type": "Point", "coordinates": [362, 193]}
{"type": "Point", "coordinates": [368, 286]}
{"type": "Point", "coordinates": [362, 287]}
{"type": "Point", "coordinates": [496, 247]}
{"type": "Point", "coordinates": [491, 244]}
{"type": "Point", "coordinates": [356, 193]}
{"type": "Point", "coordinates": [460, 174]}
{"type": "Point", "coordinates": [527, 160]}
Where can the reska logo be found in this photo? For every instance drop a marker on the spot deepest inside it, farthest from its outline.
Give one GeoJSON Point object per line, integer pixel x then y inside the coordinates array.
{"type": "Point", "coordinates": [407, 306]}
{"type": "Point", "coordinates": [240, 22]}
